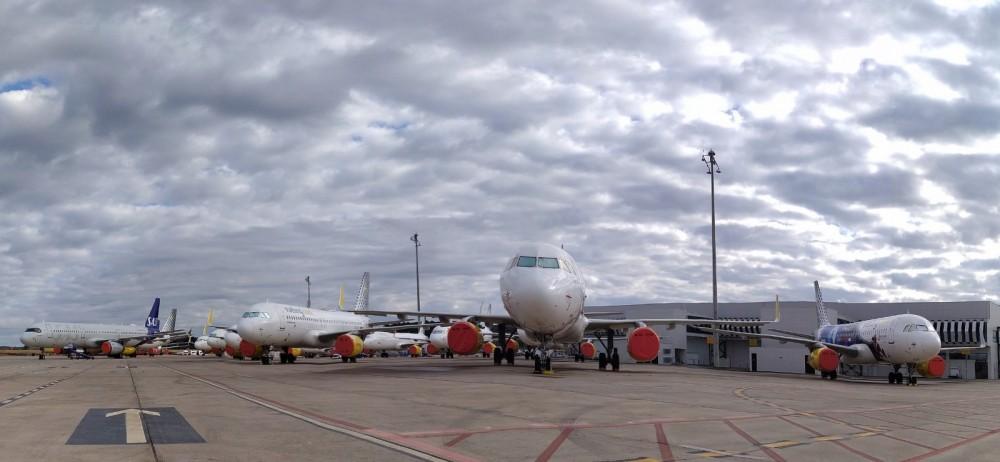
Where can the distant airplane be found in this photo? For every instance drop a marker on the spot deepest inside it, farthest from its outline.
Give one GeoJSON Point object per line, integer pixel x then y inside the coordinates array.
{"type": "Point", "coordinates": [896, 340]}
{"type": "Point", "coordinates": [543, 291]}
{"type": "Point", "coordinates": [110, 339]}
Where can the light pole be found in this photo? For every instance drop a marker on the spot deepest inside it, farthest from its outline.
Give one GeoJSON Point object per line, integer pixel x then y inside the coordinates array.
{"type": "Point", "coordinates": [713, 169]}
{"type": "Point", "coordinates": [308, 293]}
{"type": "Point", "coordinates": [416, 254]}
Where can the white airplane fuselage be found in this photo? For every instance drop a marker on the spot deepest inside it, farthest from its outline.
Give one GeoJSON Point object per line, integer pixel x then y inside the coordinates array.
{"type": "Point", "coordinates": [383, 341]}
{"type": "Point", "coordinates": [281, 325]}
{"type": "Point", "coordinates": [60, 334]}
{"type": "Point", "coordinates": [899, 339]}
{"type": "Point", "coordinates": [544, 292]}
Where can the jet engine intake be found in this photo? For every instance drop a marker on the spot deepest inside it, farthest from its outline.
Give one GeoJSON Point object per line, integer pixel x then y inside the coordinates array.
{"type": "Point", "coordinates": [512, 345]}
{"type": "Point", "coordinates": [488, 347]}
{"type": "Point", "coordinates": [432, 349]}
{"type": "Point", "coordinates": [933, 367]}
{"type": "Point", "coordinates": [824, 359]}
{"type": "Point", "coordinates": [465, 338]}
{"type": "Point", "coordinates": [588, 350]}
{"type": "Point", "coordinates": [250, 350]}
{"type": "Point", "coordinates": [349, 346]}
{"type": "Point", "coordinates": [415, 351]}
{"type": "Point", "coordinates": [112, 348]}
{"type": "Point", "coordinates": [643, 344]}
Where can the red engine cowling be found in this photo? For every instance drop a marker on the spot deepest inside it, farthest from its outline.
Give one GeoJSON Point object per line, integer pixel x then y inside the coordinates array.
{"type": "Point", "coordinates": [643, 344]}
{"type": "Point", "coordinates": [231, 352]}
{"type": "Point", "coordinates": [588, 350]}
{"type": "Point", "coordinates": [933, 367]}
{"type": "Point", "coordinates": [465, 338]}
{"type": "Point", "coordinates": [112, 348]}
{"type": "Point", "coordinates": [488, 347]}
{"type": "Point", "coordinates": [432, 349]}
{"type": "Point", "coordinates": [512, 345]}
{"type": "Point", "coordinates": [349, 345]}
{"type": "Point", "coordinates": [415, 351]}
{"type": "Point", "coordinates": [249, 350]}
{"type": "Point", "coordinates": [824, 359]}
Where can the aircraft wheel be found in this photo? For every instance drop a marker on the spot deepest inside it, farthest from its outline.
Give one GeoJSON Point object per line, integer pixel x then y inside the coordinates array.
{"type": "Point", "coordinates": [265, 359]}
{"type": "Point", "coordinates": [354, 360]}
{"type": "Point", "coordinates": [833, 375]}
{"type": "Point", "coordinates": [892, 378]}
{"type": "Point", "coordinates": [602, 361]}
{"type": "Point", "coordinates": [538, 365]}
{"type": "Point", "coordinates": [343, 359]}
{"type": "Point", "coordinates": [548, 364]}
{"type": "Point", "coordinates": [291, 359]}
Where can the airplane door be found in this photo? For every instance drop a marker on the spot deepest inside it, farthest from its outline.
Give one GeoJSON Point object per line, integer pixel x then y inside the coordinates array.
{"type": "Point", "coordinates": [284, 325]}
{"type": "Point", "coordinates": [890, 334]}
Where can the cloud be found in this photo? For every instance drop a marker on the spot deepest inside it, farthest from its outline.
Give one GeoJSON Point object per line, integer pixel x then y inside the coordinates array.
{"type": "Point", "coordinates": [214, 155]}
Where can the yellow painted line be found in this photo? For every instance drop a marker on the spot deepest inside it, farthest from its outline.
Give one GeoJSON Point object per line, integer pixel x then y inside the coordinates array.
{"type": "Point", "coordinates": [781, 444]}
{"type": "Point", "coordinates": [862, 435]}
{"type": "Point", "coordinates": [829, 438]}
{"type": "Point", "coordinates": [711, 454]}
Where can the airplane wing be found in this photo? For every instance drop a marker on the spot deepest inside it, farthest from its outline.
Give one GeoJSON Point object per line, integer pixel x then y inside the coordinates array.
{"type": "Point", "coordinates": [331, 336]}
{"type": "Point", "coordinates": [442, 316]}
{"type": "Point", "coordinates": [978, 347]}
{"type": "Point", "coordinates": [142, 338]}
{"type": "Point", "coordinates": [598, 324]}
{"type": "Point", "coordinates": [798, 338]}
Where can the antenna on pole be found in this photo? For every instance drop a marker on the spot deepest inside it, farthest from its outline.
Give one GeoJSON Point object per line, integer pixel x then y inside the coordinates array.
{"type": "Point", "coordinates": [713, 169]}
{"type": "Point", "coordinates": [416, 253]}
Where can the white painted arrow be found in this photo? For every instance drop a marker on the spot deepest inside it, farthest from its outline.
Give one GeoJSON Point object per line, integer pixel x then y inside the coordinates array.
{"type": "Point", "coordinates": [133, 424]}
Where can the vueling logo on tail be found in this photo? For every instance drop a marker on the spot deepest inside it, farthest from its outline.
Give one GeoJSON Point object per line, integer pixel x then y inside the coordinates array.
{"type": "Point", "coordinates": [153, 320]}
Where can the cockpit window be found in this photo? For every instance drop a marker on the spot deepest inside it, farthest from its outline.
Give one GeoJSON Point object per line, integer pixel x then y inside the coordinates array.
{"type": "Point", "coordinates": [548, 262]}
{"type": "Point", "coordinates": [920, 327]}
{"type": "Point", "coordinates": [526, 262]}
{"type": "Point", "coordinates": [34, 329]}
{"type": "Point", "coordinates": [256, 314]}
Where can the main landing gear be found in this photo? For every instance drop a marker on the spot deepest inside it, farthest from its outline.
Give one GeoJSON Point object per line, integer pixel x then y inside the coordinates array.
{"type": "Point", "coordinates": [897, 377]}
{"type": "Point", "coordinates": [603, 360]}
{"type": "Point", "coordinates": [503, 352]}
{"type": "Point", "coordinates": [286, 356]}
{"type": "Point", "coordinates": [542, 359]}
{"type": "Point", "coordinates": [832, 375]}
{"type": "Point", "coordinates": [265, 355]}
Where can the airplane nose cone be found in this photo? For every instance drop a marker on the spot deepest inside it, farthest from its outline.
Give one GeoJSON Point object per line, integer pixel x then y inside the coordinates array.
{"type": "Point", "coordinates": [248, 328]}
{"type": "Point", "coordinates": [27, 339]}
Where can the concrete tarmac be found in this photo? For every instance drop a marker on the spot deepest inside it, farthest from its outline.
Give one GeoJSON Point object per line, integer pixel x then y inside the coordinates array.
{"type": "Point", "coordinates": [467, 409]}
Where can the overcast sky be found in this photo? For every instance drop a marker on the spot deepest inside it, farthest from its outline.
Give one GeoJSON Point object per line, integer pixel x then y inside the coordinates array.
{"type": "Point", "coordinates": [214, 154]}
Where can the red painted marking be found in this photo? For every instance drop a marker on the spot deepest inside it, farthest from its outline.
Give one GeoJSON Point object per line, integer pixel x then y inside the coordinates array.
{"type": "Point", "coordinates": [661, 440]}
{"type": "Point", "coordinates": [770, 453]}
{"type": "Point", "coordinates": [554, 445]}
{"type": "Point", "coordinates": [900, 425]}
{"type": "Point", "coordinates": [838, 443]}
{"type": "Point", "coordinates": [577, 426]}
{"type": "Point", "coordinates": [952, 446]}
{"type": "Point", "coordinates": [458, 439]}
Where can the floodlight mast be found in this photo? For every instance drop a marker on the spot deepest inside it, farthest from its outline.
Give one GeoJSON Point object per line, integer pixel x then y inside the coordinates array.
{"type": "Point", "coordinates": [713, 169]}
{"type": "Point", "coordinates": [416, 254]}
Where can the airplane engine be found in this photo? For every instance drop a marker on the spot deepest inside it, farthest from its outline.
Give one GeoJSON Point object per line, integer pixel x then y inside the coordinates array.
{"type": "Point", "coordinates": [233, 340]}
{"type": "Point", "coordinates": [129, 351]}
{"type": "Point", "coordinates": [295, 352]}
{"type": "Point", "coordinates": [349, 345]}
{"type": "Point", "coordinates": [112, 348]}
{"type": "Point", "coordinates": [432, 349]}
{"type": "Point", "coordinates": [54, 351]}
{"type": "Point", "coordinates": [250, 350]}
{"type": "Point", "coordinates": [216, 343]}
{"type": "Point", "coordinates": [202, 345]}
{"type": "Point", "coordinates": [488, 347]}
{"type": "Point", "coordinates": [465, 338]}
{"type": "Point", "coordinates": [415, 351]}
{"type": "Point", "coordinates": [643, 344]}
{"type": "Point", "coordinates": [230, 351]}
{"type": "Point", "coordinates": [588, 350]}
{"type": "Point", "coordinates": [824, 359]}
{"type": "Point", "coordinates": [933, 367]}
{"type": "Point", "coordinates": [512, 345]}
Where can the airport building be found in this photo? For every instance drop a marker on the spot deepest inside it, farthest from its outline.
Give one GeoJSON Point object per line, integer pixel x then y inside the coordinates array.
{"type": "Point", "coordinates": [959, 324]}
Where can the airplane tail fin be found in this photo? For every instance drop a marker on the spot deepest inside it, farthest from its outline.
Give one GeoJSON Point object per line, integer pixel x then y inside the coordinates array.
{"type": "Point", "coordinates": [820, 309]}
{"type": "Point", "coordinates": [153, 320]}
{"type": "Point", "coordinates": [361, 301]}
{"type": "Point", "coordinates": [171, 321]}
{"type": "Point", "coordinates": [341, 304]}
{"type": "Point", "coordinates": [208, 322]}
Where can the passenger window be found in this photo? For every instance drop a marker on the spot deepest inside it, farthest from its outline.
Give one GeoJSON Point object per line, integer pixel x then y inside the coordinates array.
{"type": "Point", "coordinates": [548, 263]}
{"type": "Point", "coordinates": [526, 262]}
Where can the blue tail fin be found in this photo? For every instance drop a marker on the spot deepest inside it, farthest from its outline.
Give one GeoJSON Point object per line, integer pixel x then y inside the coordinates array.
{"type": "Point", "coordinates": [153, 320]}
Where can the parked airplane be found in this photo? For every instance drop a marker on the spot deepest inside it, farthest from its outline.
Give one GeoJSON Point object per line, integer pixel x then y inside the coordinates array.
{"type": "Point", "coordinates": [110, 339]}
{"type": "Point", "coordinates": [438, 340]}
{"type": "Point", "coordinates": [896, 340]}
{"type": "Point", "coordinates": [543, 290]}
{"type": "Point", "coordinates": [383, 342]}
{"type": "Point", "coordinates": [214, 343]}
